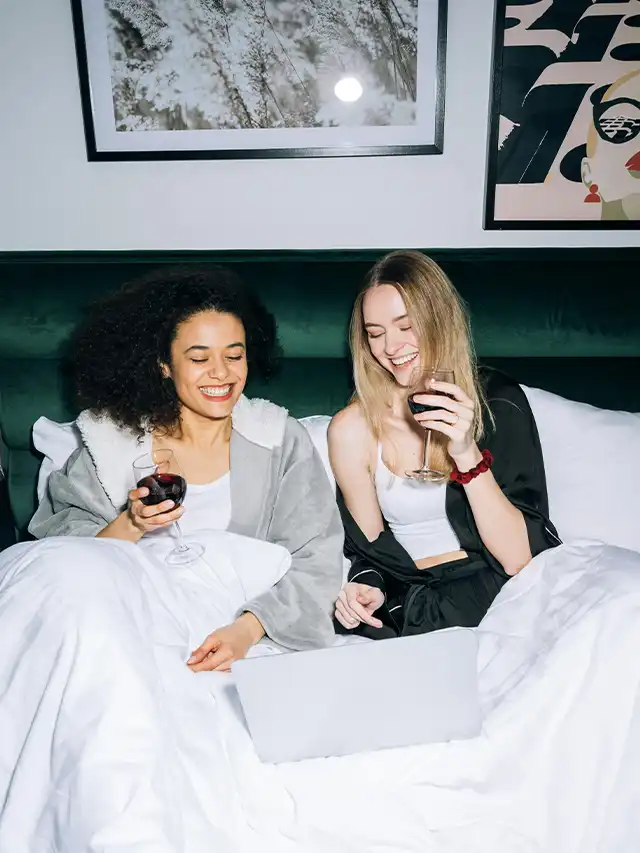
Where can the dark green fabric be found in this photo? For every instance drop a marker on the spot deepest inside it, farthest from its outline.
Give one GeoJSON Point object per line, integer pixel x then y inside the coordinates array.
{"type": "Point", "coordinates": [30, 388]}
{"type": "Point", "coordinates": [534, 303]}
{"type": "Point", "coordinates": [7, 535]}
{"type": "Point", "coordinates": [565, 320]}
{"type": "Point", "coordinates": [21, 472]}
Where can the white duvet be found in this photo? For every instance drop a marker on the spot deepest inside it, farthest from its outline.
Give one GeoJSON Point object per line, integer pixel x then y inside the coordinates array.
{"type": "Point", "coordinates": [109, 744]}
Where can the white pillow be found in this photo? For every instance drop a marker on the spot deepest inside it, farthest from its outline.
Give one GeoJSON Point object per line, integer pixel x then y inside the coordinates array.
{"type": "Point", "coordinates": [317, 426]}
{"type": "Point", "coordinates": [592, 463]}
{"type": "Point", "coordinates": [56, 442]}
{"type": "Point", "coordinates": [240, 568]}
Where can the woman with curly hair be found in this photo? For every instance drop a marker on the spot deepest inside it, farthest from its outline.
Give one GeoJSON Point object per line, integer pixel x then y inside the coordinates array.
{"type": "Point", "coordinates": [160, 366]}
{"type": "Point", "coordinates": [102, 637]}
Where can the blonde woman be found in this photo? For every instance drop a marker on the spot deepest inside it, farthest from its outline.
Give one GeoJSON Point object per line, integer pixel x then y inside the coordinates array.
{"type": "Point", "coordinates": [430, 555]}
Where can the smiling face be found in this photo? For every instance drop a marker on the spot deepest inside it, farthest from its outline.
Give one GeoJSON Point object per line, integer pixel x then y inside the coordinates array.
{"type": "Point", "coordinates": [209, 363]}
{"type": "Point", "coordinates": [613, 146]}
{"type": "Point", "coordinates": [391, 338]}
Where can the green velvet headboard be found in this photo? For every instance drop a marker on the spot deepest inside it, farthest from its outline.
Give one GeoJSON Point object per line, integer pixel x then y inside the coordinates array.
{"type": "Point", "coordinates": [564, 320]}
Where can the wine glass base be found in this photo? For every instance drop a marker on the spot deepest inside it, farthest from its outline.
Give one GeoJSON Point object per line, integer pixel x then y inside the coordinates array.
{"type": "Point", "coordinates": [426, 475]}
{"type": "Point", "coordinates": [184, 556]}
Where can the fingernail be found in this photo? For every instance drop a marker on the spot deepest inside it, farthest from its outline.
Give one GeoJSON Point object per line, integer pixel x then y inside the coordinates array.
{"type": "Point", "coordinates": [192, 659]}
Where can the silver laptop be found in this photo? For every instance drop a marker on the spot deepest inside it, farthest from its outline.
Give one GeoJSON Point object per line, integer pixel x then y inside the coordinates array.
{"type": "Point", "coordinates": [361, 697]}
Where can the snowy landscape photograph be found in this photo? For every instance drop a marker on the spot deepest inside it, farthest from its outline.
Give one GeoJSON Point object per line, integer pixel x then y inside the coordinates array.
{"type": "Point", "coordinates": [237, 78]}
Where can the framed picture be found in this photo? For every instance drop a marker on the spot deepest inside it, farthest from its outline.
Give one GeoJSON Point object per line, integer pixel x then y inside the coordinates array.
{"type": "Point", "coordinates": [565, 118]}
{"type": "Point", "coordinates": [223, 79]}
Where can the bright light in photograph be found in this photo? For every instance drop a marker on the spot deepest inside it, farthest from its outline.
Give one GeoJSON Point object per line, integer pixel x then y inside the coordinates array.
{"type": "Point", "coordinates": [349, 89]}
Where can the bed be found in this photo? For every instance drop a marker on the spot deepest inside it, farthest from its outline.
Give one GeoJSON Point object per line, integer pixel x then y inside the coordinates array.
{"type": "Point", "coordinates": [113, 745]}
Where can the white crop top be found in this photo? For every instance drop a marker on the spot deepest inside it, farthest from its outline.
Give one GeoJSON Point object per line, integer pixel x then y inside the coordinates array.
{"type": "Point", "coordinates": [415, 513]}
{"type": "Point", "coordinates": [206, 507]}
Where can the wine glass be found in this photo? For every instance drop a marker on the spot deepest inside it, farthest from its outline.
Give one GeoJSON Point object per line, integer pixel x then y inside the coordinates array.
{"type": "Point", "coordinates": [422, 384]}
{"type": "Point", "coordinates": [159, 472]}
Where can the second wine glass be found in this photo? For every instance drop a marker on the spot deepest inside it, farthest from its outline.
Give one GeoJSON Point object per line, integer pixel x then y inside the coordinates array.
{"type": "Point", "coordinates": [423, 384]}
{"type": "Point", "coordinates": [160, 473]}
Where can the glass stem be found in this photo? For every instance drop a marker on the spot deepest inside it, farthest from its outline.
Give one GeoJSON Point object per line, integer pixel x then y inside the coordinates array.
{"type": "Point", "coordinates": [427, 446]}
{"type": "Point", "coordinates": [181, 546]}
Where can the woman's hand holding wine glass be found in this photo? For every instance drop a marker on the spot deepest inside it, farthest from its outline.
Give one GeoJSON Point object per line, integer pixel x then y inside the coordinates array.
{"type": "Point", "coordinates": [148, 518]}
{"type": "Point", "coordinates": [160, 483]}
{"type": "Point", "coordinates": [451, 413]}
{"type": "Point", "coordinates": [144, 514]}
{"type": "Point", "coordinates": [437, 403]}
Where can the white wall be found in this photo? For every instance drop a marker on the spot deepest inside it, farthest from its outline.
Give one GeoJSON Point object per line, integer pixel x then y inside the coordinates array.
{"type": "Point", "coordinates": [52, 198]}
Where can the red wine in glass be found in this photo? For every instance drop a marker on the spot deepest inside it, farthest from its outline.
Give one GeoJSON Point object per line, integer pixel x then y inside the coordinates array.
{"type": "Point", "coordinates": [163, 487]}
{"type": "Point", "coordinates": [418, 408]}
{"type": "Point", "coordinates": [423, 384]}
{"type": "Point", "coordinates": [157, 471]}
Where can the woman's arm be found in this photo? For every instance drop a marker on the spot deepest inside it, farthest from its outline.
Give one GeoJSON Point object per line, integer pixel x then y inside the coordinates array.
{"type": "Point", "coordinates": [500, 524]}
{"type": "Point", "coordinates": [75, 504]}
{"type": "Point", "coordinates": [351, 453]}
{"type": "Point", "coordinates": [518, 467]}
{"type": "Point", "coordinates": [508, 502]}
{"type": "Point", "coordinates": [351, 450]}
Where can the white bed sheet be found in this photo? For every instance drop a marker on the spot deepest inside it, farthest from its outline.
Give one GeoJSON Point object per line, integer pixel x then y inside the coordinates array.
{"type": "Point", "coordinates": [109, 743]}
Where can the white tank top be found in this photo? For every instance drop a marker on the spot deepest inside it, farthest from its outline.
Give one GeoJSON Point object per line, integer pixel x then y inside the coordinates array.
{"type": "Point", "coordinates": [206, 507]}
{"type": "Point", "coordinates": [415, 513]}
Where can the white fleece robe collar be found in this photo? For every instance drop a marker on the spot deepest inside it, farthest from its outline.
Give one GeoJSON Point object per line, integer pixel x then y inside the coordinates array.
{"type": "Point", "coordinates": [114, 449]}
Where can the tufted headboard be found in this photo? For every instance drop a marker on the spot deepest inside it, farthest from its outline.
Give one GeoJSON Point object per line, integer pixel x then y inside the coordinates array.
{"type": "Point", "coordinates": [565, 320]}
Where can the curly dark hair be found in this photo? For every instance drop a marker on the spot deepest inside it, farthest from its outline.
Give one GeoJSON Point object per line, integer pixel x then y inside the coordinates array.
{"type": "Point", "coordinates": [115, 355]}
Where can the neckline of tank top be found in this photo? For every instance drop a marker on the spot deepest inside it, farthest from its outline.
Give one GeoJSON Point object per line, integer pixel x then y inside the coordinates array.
{"type": "Point", "coordinates": [399, 476]}
{"type": "Point", "coordinates": [203, 487]}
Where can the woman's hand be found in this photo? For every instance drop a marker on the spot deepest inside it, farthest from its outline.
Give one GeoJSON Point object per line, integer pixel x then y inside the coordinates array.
{"type": "Point", "coordinates": [357, 603]}
{"type": "Point", "coordinates": [138, 519]}
{"type": "Point", "coordinates": [147, 518]}
{"type": "Point", "coordinates": [453, 418]}
{"type": "Point", "coordinates": [220, 649]}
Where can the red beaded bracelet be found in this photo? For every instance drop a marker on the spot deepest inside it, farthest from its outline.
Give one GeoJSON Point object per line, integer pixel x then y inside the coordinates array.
{"type": "Point", "coordinates": [464, 477]}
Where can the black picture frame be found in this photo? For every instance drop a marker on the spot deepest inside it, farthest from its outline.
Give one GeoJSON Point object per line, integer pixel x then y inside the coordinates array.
{"type": "Point", "coordinates": [97, 152]}
{"type": "Point", "coordinates": [508, 78]}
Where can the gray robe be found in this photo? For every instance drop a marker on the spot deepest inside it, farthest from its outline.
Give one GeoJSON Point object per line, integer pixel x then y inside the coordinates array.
{"type": "Point", "coordinates": [279, 493]}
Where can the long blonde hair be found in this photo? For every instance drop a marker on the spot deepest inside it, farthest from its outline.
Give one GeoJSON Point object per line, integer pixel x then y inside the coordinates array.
{"type": "Point", "coordinates": [441, 325]}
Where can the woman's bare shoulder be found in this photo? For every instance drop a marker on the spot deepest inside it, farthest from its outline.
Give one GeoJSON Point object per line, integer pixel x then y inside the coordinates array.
{"type": "Point", "coordinates": [350, 437]}
{"type": "Point", "coordinates": [350, 423]}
